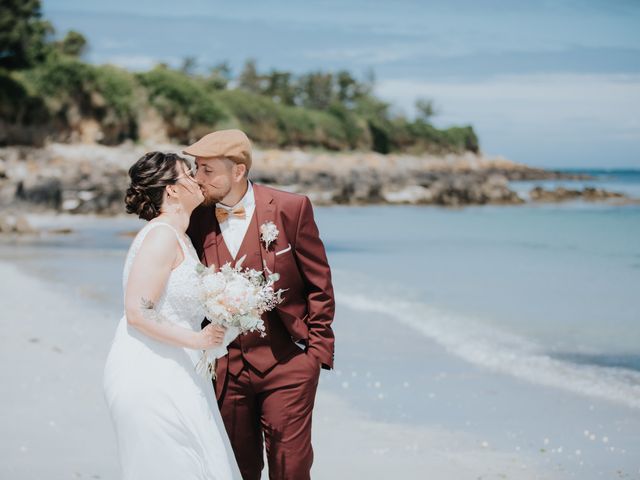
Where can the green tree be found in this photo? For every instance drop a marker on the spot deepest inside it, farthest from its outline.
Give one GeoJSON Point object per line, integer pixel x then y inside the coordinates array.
{"type": "Point", "coordinates": [249, 79]}
{"type": "Point", "coordinates": [280, 88]}
{"type": "Point", "coordinates": [425, 109]}
{"type": "Point", "coordinates": [317, 90]}
{"type": "Point", "coordinates": [23, 33]}
{"type": "Point", "coordinates": [219, 76]}
{"type": "Point", "coordinates": [73, 44]}
{"type": "Point", "coordinates": [377, 114]}
{"type": "Point", "coordinates": [349, 89]}
{"type": "Point", "coordinates": [189, 65]}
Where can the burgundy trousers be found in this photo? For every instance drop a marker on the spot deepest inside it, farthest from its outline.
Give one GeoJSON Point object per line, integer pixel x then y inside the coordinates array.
{"type": "Point", "coordinates": [276, 405]}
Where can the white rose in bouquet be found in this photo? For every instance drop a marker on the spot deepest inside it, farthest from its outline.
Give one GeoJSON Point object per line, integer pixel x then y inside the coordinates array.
{"type": "Point", "coordinates": [238, 298]}
{"type": "Point", "coordinates": [213, 284]}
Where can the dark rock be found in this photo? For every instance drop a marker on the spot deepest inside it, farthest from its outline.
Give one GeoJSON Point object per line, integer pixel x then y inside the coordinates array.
{"type": "Point", "coordinates": [44, 191]}
{"type": "Point", "coordinates": [560, 194]}
{"type": "Point", "coordinates": [60, 231]}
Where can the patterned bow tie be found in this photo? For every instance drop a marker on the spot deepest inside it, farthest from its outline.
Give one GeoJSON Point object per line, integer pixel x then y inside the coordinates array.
{"type": "Point", "coordinates": [222, 214]}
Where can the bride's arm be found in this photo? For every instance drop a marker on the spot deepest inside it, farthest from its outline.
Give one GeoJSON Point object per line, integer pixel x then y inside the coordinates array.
{"type": "Point", "coordinates": [147, 279]}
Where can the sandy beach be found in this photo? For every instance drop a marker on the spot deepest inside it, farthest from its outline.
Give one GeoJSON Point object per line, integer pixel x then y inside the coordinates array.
{"type": "Point", "coordinates": [57, 425]}
{"type": "Point", "coordinates": [399, 403]}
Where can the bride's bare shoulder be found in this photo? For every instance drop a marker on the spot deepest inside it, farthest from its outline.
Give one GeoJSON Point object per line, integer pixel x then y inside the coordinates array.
{"type": "Point", "coordinates": [160, 240]}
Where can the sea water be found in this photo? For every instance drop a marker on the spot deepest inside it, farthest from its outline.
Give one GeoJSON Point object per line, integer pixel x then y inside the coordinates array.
{"type": "Point", "coordinates": [548, 293]}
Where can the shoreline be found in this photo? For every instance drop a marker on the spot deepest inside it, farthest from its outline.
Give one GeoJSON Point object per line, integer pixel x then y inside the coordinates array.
{"type": "Point", "coordinates": [25, 222]}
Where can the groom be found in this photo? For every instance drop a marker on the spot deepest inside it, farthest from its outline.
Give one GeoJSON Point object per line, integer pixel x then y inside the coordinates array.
{"type": "Point", "coordinates": [266, 386]}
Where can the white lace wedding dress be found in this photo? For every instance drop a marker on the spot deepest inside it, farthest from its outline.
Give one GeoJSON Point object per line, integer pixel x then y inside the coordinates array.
{"type": "Point", "coordinates": [166, 418]}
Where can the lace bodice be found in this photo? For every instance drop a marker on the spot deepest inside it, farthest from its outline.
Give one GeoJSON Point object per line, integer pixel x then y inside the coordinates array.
{"type": "Point", "coordinates": [181, 300]}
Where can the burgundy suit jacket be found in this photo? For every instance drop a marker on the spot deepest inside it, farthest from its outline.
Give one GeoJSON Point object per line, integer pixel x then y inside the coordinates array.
{"type": "Point", "coordinates": [297, 254]}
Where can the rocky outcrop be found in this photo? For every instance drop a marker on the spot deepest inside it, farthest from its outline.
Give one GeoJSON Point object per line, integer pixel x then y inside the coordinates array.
{"type": "Point", "coordinates": [560, 194]}
{"type": "Point", "coordinates": [64, 179]}
{"type": "Point", "coordinates": [468, 189]}
{"type": "Point", "coordinates": [93, 179]}
{"type": "Point", "coordinates": [362, 178]}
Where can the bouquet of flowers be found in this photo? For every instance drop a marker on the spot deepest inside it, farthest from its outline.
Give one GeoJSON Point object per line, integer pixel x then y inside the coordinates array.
{"type": "Point", "coordinates": [235, 298]}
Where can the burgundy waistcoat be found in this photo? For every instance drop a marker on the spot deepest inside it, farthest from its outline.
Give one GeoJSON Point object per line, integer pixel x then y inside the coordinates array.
{"type": "Point", "coordinates": [261, 353]}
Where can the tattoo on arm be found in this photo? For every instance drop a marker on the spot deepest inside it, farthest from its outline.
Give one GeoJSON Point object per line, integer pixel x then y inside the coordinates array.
{"type": "Point", "coordinates": [148, 309]}
{"type": "Point", "coordinates": [147, 304]}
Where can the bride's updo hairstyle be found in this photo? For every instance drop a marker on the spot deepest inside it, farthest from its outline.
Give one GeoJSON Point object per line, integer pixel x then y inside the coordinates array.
{"type": "Point", "coordinates": [149, 175]}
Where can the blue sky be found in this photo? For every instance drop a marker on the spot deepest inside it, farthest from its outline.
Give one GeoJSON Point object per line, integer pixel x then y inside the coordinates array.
{"type": "Point", "coordinates": [546, 83]}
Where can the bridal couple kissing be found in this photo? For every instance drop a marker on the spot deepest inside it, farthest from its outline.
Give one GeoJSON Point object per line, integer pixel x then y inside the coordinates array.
{"type": "Point", "coordinates": [171, 421]}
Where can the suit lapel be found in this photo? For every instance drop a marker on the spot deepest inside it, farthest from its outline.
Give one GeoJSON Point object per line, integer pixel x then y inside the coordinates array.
{"type": "Point", "coordinates": [265, 212]}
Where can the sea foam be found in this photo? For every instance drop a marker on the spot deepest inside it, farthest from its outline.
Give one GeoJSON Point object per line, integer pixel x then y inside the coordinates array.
{"type": "Point", "coordinates": [503, 352]}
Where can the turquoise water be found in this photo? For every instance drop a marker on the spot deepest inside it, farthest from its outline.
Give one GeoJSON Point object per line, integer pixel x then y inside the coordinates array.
{"type": "Point", "coordinates": [548, 293]}
{"type": "Point", "coordinates": [567, 277]}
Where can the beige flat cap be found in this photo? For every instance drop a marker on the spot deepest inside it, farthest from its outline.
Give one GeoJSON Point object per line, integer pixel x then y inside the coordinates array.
{"type": "Point", "coordinates": [233, 144]}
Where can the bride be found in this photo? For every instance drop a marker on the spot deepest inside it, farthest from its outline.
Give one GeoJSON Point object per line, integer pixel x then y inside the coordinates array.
{"type": "Point", "coordinates": [166, 418]}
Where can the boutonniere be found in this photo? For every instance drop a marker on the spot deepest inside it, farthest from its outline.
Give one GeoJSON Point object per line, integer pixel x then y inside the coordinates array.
{"type": "Point", "coordinates": [268, 233]}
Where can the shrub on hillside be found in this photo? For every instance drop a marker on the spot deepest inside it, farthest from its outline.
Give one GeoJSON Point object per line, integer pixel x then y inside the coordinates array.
{"type": "Point", "coordinates": [23, 113]}
{"type": "Point", "coordinates": [185, 104]}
